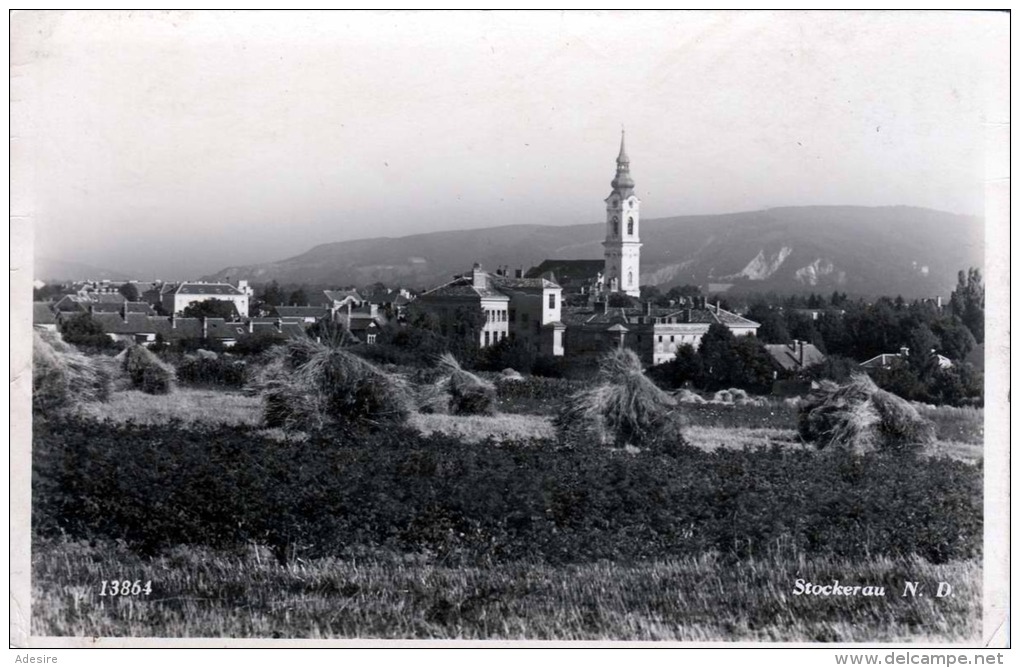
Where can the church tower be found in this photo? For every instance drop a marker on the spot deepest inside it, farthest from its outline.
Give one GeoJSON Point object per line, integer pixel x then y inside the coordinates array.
{"type": "Point", "coordinates": [623, 242]}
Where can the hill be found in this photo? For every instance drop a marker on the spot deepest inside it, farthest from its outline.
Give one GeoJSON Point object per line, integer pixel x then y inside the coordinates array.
{"type": "Point", "coordinates": [908, 251]}
{"type": "Point", "coordinates": [55, 270]}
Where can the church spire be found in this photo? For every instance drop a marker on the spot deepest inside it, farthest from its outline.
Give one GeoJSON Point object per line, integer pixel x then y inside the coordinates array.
{"type": "Point", "coordinates": [623, 184]}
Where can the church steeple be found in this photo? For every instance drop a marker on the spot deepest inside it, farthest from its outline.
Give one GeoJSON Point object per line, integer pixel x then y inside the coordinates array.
{"type": "Point", "coordinates": [623, 238]}
{"type": "Point", "coordinates": [623, 183]}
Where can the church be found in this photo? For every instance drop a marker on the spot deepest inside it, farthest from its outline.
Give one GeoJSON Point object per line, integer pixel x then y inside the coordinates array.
{"type": "Point", "coordinates": [653, 332]}
{"type": "Point", "coordinates": [565, 307]}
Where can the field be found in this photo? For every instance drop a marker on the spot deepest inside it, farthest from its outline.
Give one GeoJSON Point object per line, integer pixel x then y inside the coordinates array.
{"type": "Point", "coordinates": [483, 527]}
{"type": "Point", "coordinates": [202, 593]}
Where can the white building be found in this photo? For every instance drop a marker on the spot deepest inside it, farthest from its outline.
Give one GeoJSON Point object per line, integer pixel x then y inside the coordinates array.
{"type": "Point", "coordinates": [623, 239]}
{"type": "Point", "coordinates": [174, 301]}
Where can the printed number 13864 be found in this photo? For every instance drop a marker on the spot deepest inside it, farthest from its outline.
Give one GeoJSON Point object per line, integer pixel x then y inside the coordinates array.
{"type": "Point", "coordinates": [125, 588]}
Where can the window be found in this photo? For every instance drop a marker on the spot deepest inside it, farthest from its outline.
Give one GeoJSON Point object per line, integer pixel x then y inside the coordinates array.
{"type": "Point", "coordinates": [671, 338]}
{"type": "Point", "coordinates": [630, 226]}
{"type": "Point", "coordinates": [552, 300]}
{"type": "Point", "coordinates": [630, 278]}
{"type": "Point", "coordinates": [371, 338]}
{"type": "Point", "coordinates": [486, 338]}
{"type": "Point", "coordinates": [513, 315]}
{"type": "Point", "coordinates": [660, 338]}
{"type": "Point", "coordinates": [616, 226]}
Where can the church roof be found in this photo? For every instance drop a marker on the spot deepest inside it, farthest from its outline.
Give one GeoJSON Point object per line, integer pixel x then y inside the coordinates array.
{"type": "Point", "coordinates": [568, 271]}
{"type": "Point", "coordinates": [463, 287]}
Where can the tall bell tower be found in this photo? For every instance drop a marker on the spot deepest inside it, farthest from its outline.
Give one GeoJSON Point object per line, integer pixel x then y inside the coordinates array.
{"type": "Point", "coordinates": [623, 241]}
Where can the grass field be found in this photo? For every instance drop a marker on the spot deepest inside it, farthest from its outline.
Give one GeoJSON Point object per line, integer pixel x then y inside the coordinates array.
{"type": "Point", "coordinates": [960, 430]}
{"type": "Point", "coordinates": [204, 593]}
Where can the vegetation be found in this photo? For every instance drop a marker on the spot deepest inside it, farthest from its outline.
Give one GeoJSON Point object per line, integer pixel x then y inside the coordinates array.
{"type": "Point", "coordinates": [468, 504]}
{"type": "Point", "coordinates": [215, 371]}
{"type": "Point", "coordinates": [83, 330]}
{"type": "Point", "coordinates": [147, 372]}
{"type": "Point", "coordinates": [624, 408]}
{"type": "Point", "coordinates": [130, 291]}
{"type": "Point", "coordinates": [463, 392]}
{"type": "Point", "coordinates": [721, 361]}
{"type": "Point", "coordinates": [860, 417]}
{"type": "Point", "coordinates": [310, 385]}
{"type": "Point", "coordinates": [62, 377]}
{"type": "Point", "coordinates": [211, 308]}
{"type": "Point", "coordinates": [199, 592]}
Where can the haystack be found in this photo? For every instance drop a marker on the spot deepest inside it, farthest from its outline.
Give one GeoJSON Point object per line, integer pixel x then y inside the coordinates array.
{"type": "Point", "coordinates": [62, 377]}
{"type": "Point", "coordinates": [309, 385]}
{"type": "Point", "coordinates": [686, 396]}
{"type": "Point", "coordinates": [624, 408]}
{"type": "Point", "coordinates": [147, 372]}
{"type": "Point", "coordinates": [860, 417]}
{"type": "Point", "coordinates": [465, 393]}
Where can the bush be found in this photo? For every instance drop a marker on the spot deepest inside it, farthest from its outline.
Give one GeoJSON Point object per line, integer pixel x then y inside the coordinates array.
{"type": "Point", "coordinates": [62, 377]}
{"type": "Point", "coordinates": [860, 417]}
{"type": "Point", "coordinates": [147, 372]}
{"type": "Point", "coordinates": [311, 385]}
{"type": "Point", "coordinates": [625, 408]}
{"type": "Point", "coordinates": [457, 503]}
{"type": "Point", "coordinates": [212, 372]}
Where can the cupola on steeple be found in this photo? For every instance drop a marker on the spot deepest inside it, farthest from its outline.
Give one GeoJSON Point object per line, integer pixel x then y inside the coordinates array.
{"type": "Point", "coordinates": [623, 183]}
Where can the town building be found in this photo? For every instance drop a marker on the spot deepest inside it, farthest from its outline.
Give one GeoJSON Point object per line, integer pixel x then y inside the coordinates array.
{"type": "Point", "coordinates": [469, 296]}
{"type": "Point", "coordinates": [654, 333]}
{"type": "Point", "coordinates": [790, 358]}
{"type": "Point", "coordinates": [888, 360]}
{"type": "Point", "coordinates": [177, 298]}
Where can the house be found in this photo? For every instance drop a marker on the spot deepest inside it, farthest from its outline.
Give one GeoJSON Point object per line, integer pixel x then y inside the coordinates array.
{"type": "Point", "coordinates": [337, 299]}
{"type": "Point", "coordinates": [533, 312]}
{"type": "Point", "coordinates": [104, 302]}
{"type": "Point", "coordinates": [308, 315]}
{"type": "Point", "coordinates": [393, 303]}
{"type": "Point", "coordinates": [887, 360]}
{"type": "Point", "coordinates": [176, 298]}
{"type": "Point", "coordinates": [654, 333]}
{"type": "Point", "coordinates": [526, 309]}
{"type": "Point", "coordinates": [789, 358]}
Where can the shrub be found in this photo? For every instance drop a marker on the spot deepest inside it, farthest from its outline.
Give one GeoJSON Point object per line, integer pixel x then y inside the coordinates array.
{"type": "Point", "coordinates": [625, 408]}
{"type": "Point", "coordinates": [310, 385]}
{"type": "Point", "coordinates": [860, 417]}
{"type": "Point", "coordinates": [217, 372]}
{"type": "Point", "coordinates": [62, 377]}
{"type": "Point", "coordinates": [147, 372]}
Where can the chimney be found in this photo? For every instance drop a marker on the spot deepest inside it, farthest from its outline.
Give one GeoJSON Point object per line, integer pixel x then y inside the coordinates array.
{"type": "Point", "coordinates": [124, 311]}
{"type": "Point", "coordinates": [251, 325]}
{"type": "Point", "coordinates": [519, 272]}
{"type": "Point", "coordinates": [648, 307]}
{"type": "Point", "coordinates": [687, 315]}
{"type": "Point", "coordinates": [904, 351]}
{"type": "Point", "coordinates": [800, 353]}
{"type": "Point", "coordinates": [205, 327]}
{"type": "Point", "coordinates": [605, 305]}
{"type": "Point", "coordinates": [477, 276]}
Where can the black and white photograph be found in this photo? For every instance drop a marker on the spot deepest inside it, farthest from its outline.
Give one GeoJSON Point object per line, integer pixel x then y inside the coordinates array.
{"type": "Point", "coordinates": [672, 328]}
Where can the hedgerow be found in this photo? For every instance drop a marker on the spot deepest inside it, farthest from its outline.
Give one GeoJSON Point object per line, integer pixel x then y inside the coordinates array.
{"type": "Point", "coordinates": [335, 494]}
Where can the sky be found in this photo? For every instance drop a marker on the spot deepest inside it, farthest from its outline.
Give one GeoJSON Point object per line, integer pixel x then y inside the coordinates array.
{"type": "Point", "coordinates": [173, 144]}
